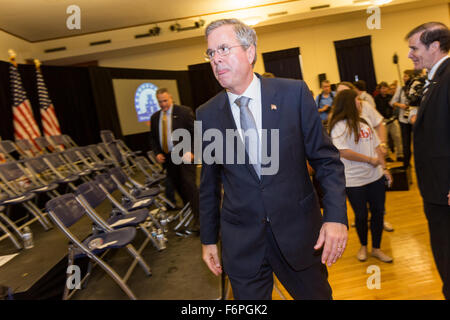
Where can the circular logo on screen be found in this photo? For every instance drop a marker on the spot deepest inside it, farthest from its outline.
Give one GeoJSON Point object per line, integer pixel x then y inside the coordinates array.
{"type": "Point", "coordinates": [145, 101]}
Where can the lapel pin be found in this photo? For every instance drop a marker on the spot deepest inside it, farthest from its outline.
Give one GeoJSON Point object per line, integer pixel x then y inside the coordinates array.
{"type": "Point", "coordinates": [273, 107]}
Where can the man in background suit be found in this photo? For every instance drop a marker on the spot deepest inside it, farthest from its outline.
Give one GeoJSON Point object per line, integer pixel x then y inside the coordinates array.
{"type": "Point", "coordinates": [162, 124]}
{"type": "Point", "coordinates": [269, 222]}
{"type": "Point", "coordinates": [429, 45]}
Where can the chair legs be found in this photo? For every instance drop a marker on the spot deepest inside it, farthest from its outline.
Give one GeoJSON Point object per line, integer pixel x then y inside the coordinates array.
{"type": "Point", "coordinates": [9, 235]}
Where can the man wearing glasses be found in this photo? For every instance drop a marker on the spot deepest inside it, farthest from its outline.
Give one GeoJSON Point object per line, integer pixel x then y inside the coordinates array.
{"type": "Point", "coordinates": [268, 223]}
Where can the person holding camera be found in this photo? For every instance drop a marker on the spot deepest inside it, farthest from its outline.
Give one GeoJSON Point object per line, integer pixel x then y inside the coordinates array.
{"type": "Point", "coordinates": [407, 99]}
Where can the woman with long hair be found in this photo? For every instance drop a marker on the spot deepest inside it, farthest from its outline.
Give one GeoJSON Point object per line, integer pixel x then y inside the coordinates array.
{"type": "Point", "coordinates": [365, 169]}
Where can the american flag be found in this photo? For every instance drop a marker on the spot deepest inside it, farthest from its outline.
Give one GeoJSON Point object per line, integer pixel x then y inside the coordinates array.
{"type": "Point", "coordinates": [25, 127]}
{"type": "Point", "coordinates": [50, 122]}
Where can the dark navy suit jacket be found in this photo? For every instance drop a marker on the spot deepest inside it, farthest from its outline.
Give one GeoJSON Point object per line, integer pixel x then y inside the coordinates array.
{"type": "Point", "coordinates": [286, 198]}
{"type": "Point", "coordinates": [432, 139]}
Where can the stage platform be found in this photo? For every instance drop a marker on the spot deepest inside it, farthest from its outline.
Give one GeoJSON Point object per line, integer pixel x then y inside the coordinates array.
{"type": "Point", "coordinates": [178, 272]}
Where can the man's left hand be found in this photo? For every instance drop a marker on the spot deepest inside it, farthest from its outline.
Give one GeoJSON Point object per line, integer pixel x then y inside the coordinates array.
{"type": "Point", "coordinates": [188, 157]}
{"type": "Point", "coordinates": [333, 237]}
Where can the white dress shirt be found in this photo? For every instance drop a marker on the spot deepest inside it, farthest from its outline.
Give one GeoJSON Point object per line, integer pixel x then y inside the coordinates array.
{"type": "Point", "coordinates": [253, 92]}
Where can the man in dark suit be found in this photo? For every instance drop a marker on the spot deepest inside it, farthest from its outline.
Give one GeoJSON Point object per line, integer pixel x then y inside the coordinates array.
{"type": "Point", "coordinates": [429, 45]}
{"type": "Point", "coordinates": [269, 219]}
{"type": "Point", "coordinates": [162, 123]}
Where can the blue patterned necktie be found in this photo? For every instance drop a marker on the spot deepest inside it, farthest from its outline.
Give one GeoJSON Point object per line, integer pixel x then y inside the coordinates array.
{"type": "Point", "coordinates": [249, 133]}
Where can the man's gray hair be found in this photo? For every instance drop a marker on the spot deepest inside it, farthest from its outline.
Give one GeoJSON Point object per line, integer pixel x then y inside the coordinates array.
{"type": "Point", "coordinates": [244, 34]}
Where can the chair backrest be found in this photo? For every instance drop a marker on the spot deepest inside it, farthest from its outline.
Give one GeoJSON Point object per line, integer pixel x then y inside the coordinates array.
{"type": "Point", "coordinates": [55, 160]}
{"type": "Point", "coordinates": [118, 174]}
{"type": "Point", "coordinates": [43, 143]}
{"type": "Point", "coordinates": [25, 145]}
{"type": "Point", "coordinates": [36, 164]}
{"type": "Point", "coordinates": [72, 155]}
{"type": "Point", "coordinates": [114, 151]}
{"type": "Point", "coordinates": [106, 181]}
{"type": "Point", "coordinates": [92, 193]}
{"type": "Point", "coordinates": [11, 171]}
{"type": "Point", "coordinates": [107, 136]}
{"type": "Point", "coordinates": [69, 141]}
{"type": "Point", "coordinates": [9, 148]}
{"type": "Point", "coordinates": [66, 208]}
{"type": "Point", "coordinates": [58, 139]}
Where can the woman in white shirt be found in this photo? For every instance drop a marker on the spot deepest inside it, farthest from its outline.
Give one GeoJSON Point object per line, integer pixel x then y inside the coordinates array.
{"type": "Point", "coordinates": [365, 170]}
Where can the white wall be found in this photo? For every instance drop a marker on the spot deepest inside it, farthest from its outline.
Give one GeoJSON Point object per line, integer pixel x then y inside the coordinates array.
{"type": "Point", "coordinates": [21, 47]}
{"type": "Point", "coordinates": [315, 42]}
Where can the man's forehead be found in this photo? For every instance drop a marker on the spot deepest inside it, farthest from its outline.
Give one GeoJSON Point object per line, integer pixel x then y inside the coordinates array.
{"type": "Point", "coordinates": [223, 34]}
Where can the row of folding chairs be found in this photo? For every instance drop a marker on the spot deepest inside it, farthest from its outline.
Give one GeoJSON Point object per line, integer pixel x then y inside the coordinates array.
{"type": "Point", "coordinates": [24, 179]}
{"type": "Point", "coordinates": [139, 206]}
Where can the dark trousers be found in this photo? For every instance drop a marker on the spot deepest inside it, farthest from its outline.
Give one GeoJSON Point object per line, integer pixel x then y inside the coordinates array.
{"type": "Point", "coordinates": [183, 179]}
{"type": "Point", "coordinates": [406, 130]}
{"type": "Point", "coordinates": [438, 217]}
{"type": "Point", "coordinates": [374, 195]}
{"type": "Point", "coordinates": [309, 284]}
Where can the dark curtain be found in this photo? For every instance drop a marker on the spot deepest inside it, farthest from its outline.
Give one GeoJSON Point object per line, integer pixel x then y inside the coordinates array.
{"type": "Point", "coordinates": [354, 57]}
{"type": "Point", "coordinates": [70, 91]}
{"type": "Point", "coordinates": [283, 63]}
{"type": "Point", "coordinates": [204, 84]}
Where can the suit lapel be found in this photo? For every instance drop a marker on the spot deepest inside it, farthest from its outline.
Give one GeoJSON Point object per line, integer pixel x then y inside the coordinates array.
{"type": "Point", "coordinates": [270, 120]}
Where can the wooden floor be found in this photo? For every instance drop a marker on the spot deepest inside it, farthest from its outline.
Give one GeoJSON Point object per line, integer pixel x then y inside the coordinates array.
{"type": "Point", "coordinates": [412, 275]}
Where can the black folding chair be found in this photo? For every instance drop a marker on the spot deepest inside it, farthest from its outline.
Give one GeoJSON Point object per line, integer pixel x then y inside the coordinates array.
{"type": "Point", "coordinates": [11, 152]}
{"type": "Point", "coordinates": [42, 172]}
{"type": "Point", "coordinates": [6, 233]}
{"type": "Point", "coordinates": [18, 188]}
{"type": "Point", "coordinates": [65, 211]}
{"type": "Point", "coordinates": [90, 196]}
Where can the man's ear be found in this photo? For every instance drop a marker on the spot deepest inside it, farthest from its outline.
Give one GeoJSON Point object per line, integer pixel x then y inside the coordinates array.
{"type": "Point", "coordinates": [435, 45]}
{"type": "Point", "coordinates": [251, 52]}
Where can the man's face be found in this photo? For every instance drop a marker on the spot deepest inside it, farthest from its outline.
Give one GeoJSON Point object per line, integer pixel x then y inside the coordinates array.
{"type": "Point", "coordinates": [233, 71]}
{"type": "Point", "coordinates": [326, 87]}
{"type": "Point", "coordinates": [419, 54]}
{"type": "Point", "coordinates": [384, 90]}
{"type": "Point", "coordinates": [164, 101]}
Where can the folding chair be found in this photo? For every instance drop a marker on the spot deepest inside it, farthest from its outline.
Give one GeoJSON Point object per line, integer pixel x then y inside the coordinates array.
{"type": "Point", "coordinates": [26, 148]}
{"type": "Point", "coordinates": [90, 196]}
{"type": "Point", "coordinates": [108, 186]}
{"type": "Point", "coordinates": [45, 146]}
{"type": "Point", "coordinates": [80, 162]}
{"type": "Point", "coordinates": [117, 157]}
{"type": "Point", "coordinates": [6, 232]}
{"type": "Point", "coordinates": [69, 141]}
{"type": "Point", "coordinates": [42, 172]}
{"type": "Point", "coordinates": [57, 142]}
{"type": "Point", "coordinates": [10, 197]}
{"type": "Point", "coordinates": [65, 211]}
{"type": "Point", "coordinates": [63, 168]}
{"type": "Point", "coordinates": [10, 151]}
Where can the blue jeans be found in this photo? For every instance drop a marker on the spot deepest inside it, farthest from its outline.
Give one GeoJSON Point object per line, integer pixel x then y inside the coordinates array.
{"type": "Point", "coordinates": [372, 194]}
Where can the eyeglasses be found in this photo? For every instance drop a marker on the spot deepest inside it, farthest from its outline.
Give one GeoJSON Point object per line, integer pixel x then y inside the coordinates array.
{"type": "Point", "coordinates": [222, 51]}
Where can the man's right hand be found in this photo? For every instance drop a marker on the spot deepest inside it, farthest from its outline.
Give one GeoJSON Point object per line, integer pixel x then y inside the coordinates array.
{"type": "Point", "coordinates": [211, 258]}
{"type": "Point", "coordinates": [160, 158]}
